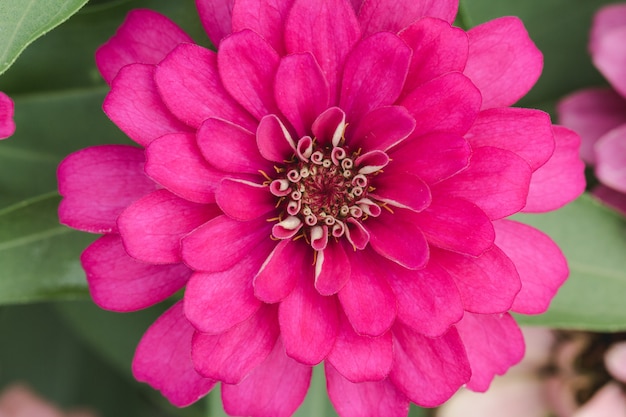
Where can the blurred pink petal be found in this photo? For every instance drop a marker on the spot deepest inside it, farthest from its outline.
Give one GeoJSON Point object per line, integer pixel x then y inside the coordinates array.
{"type": "Point", "coordinates": [7, 125]}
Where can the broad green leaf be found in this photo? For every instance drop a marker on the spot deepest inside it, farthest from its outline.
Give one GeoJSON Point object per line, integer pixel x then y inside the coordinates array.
{"type": "Point", "coordinates": [23, 21]}
{"type": "Point", "coordinates": [593, 239]}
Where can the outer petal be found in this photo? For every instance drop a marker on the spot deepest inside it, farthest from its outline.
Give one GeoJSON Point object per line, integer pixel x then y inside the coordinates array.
{"type": "Point", "coordinates": [273, 389]}
{"type": "Point", "coordinates": [7, 126]}
{"type": "Point", "coordinates": [562, 178]}
{"type": "Point", "coordinates": [610, 158]}
{"type": "Point", "coordinates": [265, 17]}
{"type": "Point", "coordinates": [382, 128]}
{"type": "Point", "coordinates": [539, 261]}
{"type": "Point", "coordinates": [152, 227]}
{"type": "Point", "coordinates": [190, 85]}
{"type": "Point", "coordinates": [118, 282]}
{"type": "Point", "coordinates": [393, 16]}
{"type": "Point", "coordinates": [365, 399]}
{"type": "Point", "coordinates": [163, 359]}
{"type": "Point", "coordinates": [145, 37]}
{"type": "Point", "coordinates": [428, 371]}
{"type": "Point", "coordinates": [135, 106]}
{"type": "Point", "coordinates": [244, 200]}
{"type": "Point", "coordinates": [97, 183]}
{"type": "Point", "coordinates": [314, 27]}
{"type": "Point", "coordinates": [281, 271]}
{"type": "Point", "coordinates": [493, 344]}
{"type": "Point", "coordinates": [215, 16]}
{"type": "Point", "coordinates": [503, 62]}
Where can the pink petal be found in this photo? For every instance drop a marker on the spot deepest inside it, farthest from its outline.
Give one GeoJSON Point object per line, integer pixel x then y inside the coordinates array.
{"type": "Point", "coordinates": [428, 371]}
{"type": "Point", "coordinates": [308, 322]}
{"type": "Point", "coordinates": [488, 284]}
{"type": "Point", "coordinates": [608, 400]}
{"type": "Point", "coordinates": [97, 183]}
{"type": "Point", "coordinates": [230, 148]}
{"type": "Point", "coordinates": [313, 27]}
{"type": "Point", "coordinates": [135, 106]}
{"type": "Point", "coordinates": [607, 49]}
{"type": "Point", "coordinates": [152, 227]}
{"type": "Point", "coordinates": [163, 359]}
{"type": "Point", "coordinates": [190, 85]}
{"type": "Point", "coordinates": [615, 361]}
{"type": "Point", "coordinates": [230, 356]}
{"type": "Point", "coordinates": [562, 178]}
{"type": "Point", "coordinates": [525, 132]}
{"type": "Point", "coordinates": [393, 16]}
{"type": "Point", "coordinates": [367, 299]}
{"type": "Point", "coordinates": [215, 16]}
{"type": "Point", "coordinates": [118, 282]}
{"type": "Point", "coordinates": [449, 103]}
{"type": "Point", "coordinates": [437, 47]}
{"type": "Point", "coordinates": [493, 344]}
{"type": "Point", "coordinates": [402, 190]}
{"type": "Point", "coordinates": [175, 162]}
{"type": "Point", "coordinates": [610, 157]}
{"type": "Point", "coordinates": [215, 302]}
{"type": "Point", "coordinates": [145, 37]}
{"type": "Point", "coordinates": [428, 300]}
{"type": "Point", "coordinates": [457, 225]}
{"type": "Point", "coordinates": [301, 91]}
{"type": "Point", "coordinates": [332, 269]}
{"type": "Point", "coordinates": [397, 239]}
{"type": "Point", "coordinates": [373, 74]}
{"type": "Point", "coordinates": [7, 126]}
{"type": "Point", "coordinates": [265, 17]}
{"type": "Point", "coordinates": [365, 399]}
{"type": "Point", "coordinates": [282, 270]}
{"type": "Point", "coordinates": [611, 198]}
{"type": "Point", "coordinates": [276, 388]}
{"type": "Point", "coordinates": [244, 200]}
{"type": "Point", "coordinates": [329, 128]}
{"type": "Point", "coordinates": [247, 65]}
{"type": "Point", "coordinates": [222, 242]}
{"type": "Point", "coordinates": [503, 62]}
{"type": "Point", "coordinates": [592, 113]}
{"type": "Point", "coordinates": [382, 128]}
{"type": "Point", "coordinates": [607, 19]}
{"type": "Point", "coordinates": [539, 261]}
{"type": "Point", "coordinates": [497, 181]}
{"type": "Point", "coordinates": [274, 140]}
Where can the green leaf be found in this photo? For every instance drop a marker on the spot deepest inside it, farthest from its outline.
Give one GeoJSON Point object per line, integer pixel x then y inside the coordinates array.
{"type": "Point", "coordinates": [593, 239]}
{"type": "Point", "coordinates": [23, 21]}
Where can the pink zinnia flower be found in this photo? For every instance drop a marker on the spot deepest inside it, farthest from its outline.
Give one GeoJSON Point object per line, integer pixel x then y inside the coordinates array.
{"type": "Point", "coordinates": [599, 114]}
{"type": "Point", "coordinates": [7, 126]}
{"type": "Point", "coordinates": [330, 186]}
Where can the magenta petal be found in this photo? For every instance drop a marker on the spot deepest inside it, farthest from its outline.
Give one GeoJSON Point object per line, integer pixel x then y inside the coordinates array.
{"type": "Point", "coordinates": [492, 172]}
{"type": "Point", "coordinates": [222, 242]}
{"type": "Point", "coordinates": [190, 85]}
{"type": "Point", "coordinates": [145, 37]}
{"type": "Point", "coordinates": [592, 113]}
{"type": "Point", "coordinates": [328, 129]}
{"type": "Point", "coordinates": [437, 47]}
{"type": "Point", "coordinates": [265, 17]}
{"type": "Point", "coordinates": [610, 157]}
{"type": "Point", "coordinates": [562, 178]}
{"type": "Point", "coordinates": [7, 125]}
{"type": "Point", "coordinates": [539, 261]}
{"type": "Point", "coordinates": [503, 62]}
{"type": "Point", "coordinates": [493, 344]}
{"type": "Point", "coordinates": [163, 359]}
{"type": "Point", "coordinates": [175, 162]}
{"type": "Point", "coordinates": [274, 140]}
{"type": "Point", "coordinates": [276, 388]}
{"type": "Point", "coordinates": [301, 91]}
{"type": "Point", "coordinates": [428, 371]}
{"type": "Point", "coordinates": [282, 270]}
{"type": "Point", "coordinates": [247, 65]}
{"type": "Point", "coordinates": [402, 190]}
{"type": "Point", "coordinates": [608, 51]}
{"type": "Point", "coordinates": [215, 302]}
{"type": "Point", "coordinates": [449, 103]}
{"type": "Point", "coordinates": [97, 183]}
{"type": "Point", "coordinates": [230, 356]}
{"type": "Point", "coordinates": [244, 200]}
{"type": "Point", "coordinates": [373, 74]}
{"type": "Point", "coordinates": [488, 284]}
{"type": "Point", "coordinates": [332, 268]}
{"type": "Point", "coordinates": [611, 198]}
{"type": "Point", "coordinates": [382, 128]}
{"type": "Point", "coordinates": [118, 282]}
{"type": "Point", "coordinates": [393, 16]}
{"type": "Point", "coordinates": [526, 132]}
{"type": "Point", "coordinates": [152, 227]}
{"type": "Point", "coordinates": [229, 147]}
{"type": "Point", "coordinates": [365, 399]}
{"type": "Point", "coordinates": [135, 106]}
{"type": "Point", "coordinates": [215, 16]}
{"type": "Point", "coordinates": [367, 299]}
{"type": "Point", "coordinates": [314, 27]}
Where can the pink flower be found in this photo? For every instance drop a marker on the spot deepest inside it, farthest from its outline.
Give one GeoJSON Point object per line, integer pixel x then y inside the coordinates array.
{"type": "Point", "coordinates": [599, 114]}
{"type": "Point", "coordinates": [330, 186]}
{"type": "Point", "coordinates": [7, 126]}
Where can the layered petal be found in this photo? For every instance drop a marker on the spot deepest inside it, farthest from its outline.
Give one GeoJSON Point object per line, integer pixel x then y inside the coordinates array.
{"type": "Point", "coordinates": [288, 264]}
{"type": "Point", "coordinates": [382, 128]}
{"type": "Point", "coordinates": [274, 141]}
{"type": "Point", "coordinates": [503, 61]}
{"type": "Point", "coordinates": [118, 282]}
{"type": "Point", "coordinates": [163, 359]}
{"type": "Point", "coordinates": [215, 16]}
{"type": "Point", "coordinates": [610, 157]}
{"type": "Point", "coordinates": [393, 16]}
{"type": "Point", "coordinates": [265, 17]}
{"type": "Point", "coordinates": [7, 125]}
{"type": "Point", "coordinates": [98, 183]}
{"type": "Point", "coordinates": [402, 190]}
{"type": "Point", "coordinates": [244, 200]}
{"type": "Point", "coordinates": [332, 268]}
